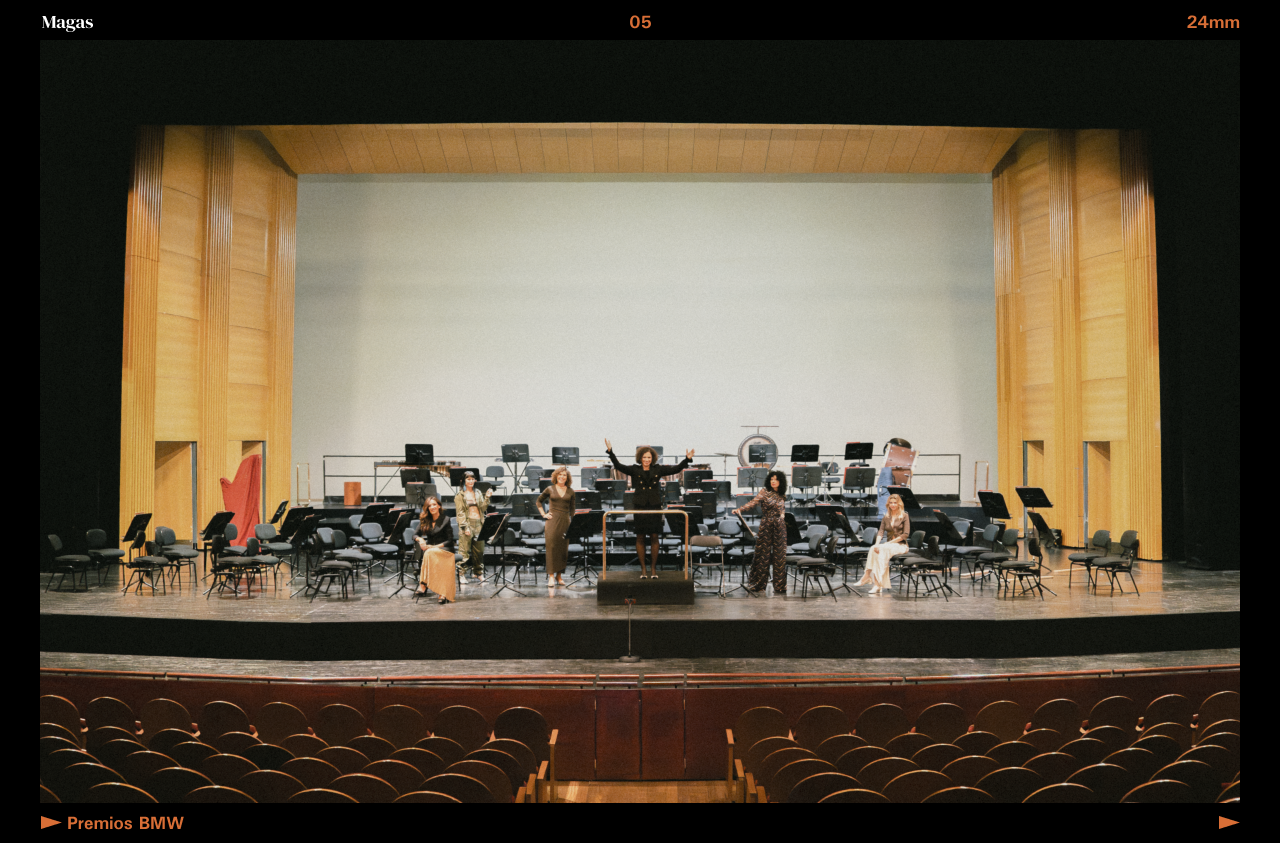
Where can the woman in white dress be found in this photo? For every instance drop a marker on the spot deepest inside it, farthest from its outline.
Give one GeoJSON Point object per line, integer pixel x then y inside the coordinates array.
{"type": "Point", "coordinates": [895, 529]}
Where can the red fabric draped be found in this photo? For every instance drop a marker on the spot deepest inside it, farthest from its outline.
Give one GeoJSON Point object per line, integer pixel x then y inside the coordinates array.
{"type": "Point", "coordinates": [243, 496]}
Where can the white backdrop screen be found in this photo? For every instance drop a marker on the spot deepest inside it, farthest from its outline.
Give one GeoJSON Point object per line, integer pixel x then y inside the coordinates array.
{"type": "Point", "coordinates": [472, 311]}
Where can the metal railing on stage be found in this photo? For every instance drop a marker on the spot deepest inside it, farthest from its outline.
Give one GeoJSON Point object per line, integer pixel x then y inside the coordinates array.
{"type": "Point", "coordinates": [393, 461]}
{"type": "Point", "coordinates": [604, 534]}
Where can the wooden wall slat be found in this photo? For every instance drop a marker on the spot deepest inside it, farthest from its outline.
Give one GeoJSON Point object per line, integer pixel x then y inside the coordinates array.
{"type": "Point", "coordinates": [141, 282]}
{"type": "Point", "coordinates": [215, 318]}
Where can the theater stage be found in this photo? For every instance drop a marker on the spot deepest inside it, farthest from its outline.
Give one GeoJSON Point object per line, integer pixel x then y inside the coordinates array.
{"type": "Point", "coordinates": [1177, 609]}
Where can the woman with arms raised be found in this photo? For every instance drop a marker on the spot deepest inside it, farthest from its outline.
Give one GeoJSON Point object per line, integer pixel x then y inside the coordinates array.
{"type": "Point", "coordinates": [646, 478]}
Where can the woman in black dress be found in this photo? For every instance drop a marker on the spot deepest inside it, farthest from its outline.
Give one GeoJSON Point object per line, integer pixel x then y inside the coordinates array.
{"type": "Point", "coordinates": [771, 539]}
{"type": "Point", "coordinates": [645, 482]}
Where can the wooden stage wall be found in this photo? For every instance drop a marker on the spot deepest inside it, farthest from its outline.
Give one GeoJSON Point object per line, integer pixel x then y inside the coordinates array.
{"type": "Point", "coordinates": [615, 729]}
{"type": "Point", "coordinates": [1077, 337]}
{"type": "Point", "coordinates": [208, 320]}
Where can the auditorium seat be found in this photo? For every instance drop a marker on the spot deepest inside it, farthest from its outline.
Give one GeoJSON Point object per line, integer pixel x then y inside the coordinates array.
{"type": "Point", "coordinates": [819, 723]}
{"type": "Point", "coordinates": [401, 725]}
{"type": "Point", "coordinates": [276, 721]}
{"type": "Point", "coordinates": [320, 796]}
{"type": "Point", "coordinates": [269, 786]}
{"type": "Point", "coordinates": [1062, 793]}
{"type": "Point", "coordinates": [462, 724]}
{"type": "Point", "coordinates": [365, 789]}
{"type": "Point", "coordinates": [312, 772]}
{"type": "Point", "coordinates": [1109, 782]}
{"type": "Point", "coordinates": [879, 724]}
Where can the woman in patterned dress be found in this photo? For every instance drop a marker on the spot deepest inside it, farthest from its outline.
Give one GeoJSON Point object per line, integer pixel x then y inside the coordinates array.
{"type": "Point", "coordinates": [771, 538]}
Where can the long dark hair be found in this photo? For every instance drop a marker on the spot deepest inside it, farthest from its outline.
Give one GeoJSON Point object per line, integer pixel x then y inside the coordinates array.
{"type": "Point", "coordinates": [782, 482]}
{"type": "Point", "coordinates": [425, 516]}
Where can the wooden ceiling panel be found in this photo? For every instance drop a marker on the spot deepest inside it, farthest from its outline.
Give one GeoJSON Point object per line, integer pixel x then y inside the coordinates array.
{"type": "Point", "coordinates": [732, 144]}
{"type": "Point", "coordinates": [931, 141]}
{"type": "Point", "coordinates": [529, 145]}
{"type": "Point", "coordinates": [578, 143]}
{"type": "Point", "coordinates": [326, 140]}
{"type": "Point", "coordinates": [506, 155]}
{"type": "Point", "coordinates": [630, 147]}
{"type": "Point", "coordinates": [637, 147]}
{"type": "Point", "coordinates": [680, 150]}
{"type": "Point", "coordinates": [782, 142]}
{"type": "Point", "coordinates": [604, 147]}
{"type": "Point", "coordinates": [356, 150]}
{"type": "Point", "coordinates": [657, 148]}
{"type": "Point", "coordinates": [430, 152]}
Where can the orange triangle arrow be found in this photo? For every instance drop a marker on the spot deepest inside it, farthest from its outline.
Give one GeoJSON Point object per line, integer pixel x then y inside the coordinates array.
{"type": "Point", "coordinates": [1223, 822]}
{"type": "Point", "coordinates": [45, 822]}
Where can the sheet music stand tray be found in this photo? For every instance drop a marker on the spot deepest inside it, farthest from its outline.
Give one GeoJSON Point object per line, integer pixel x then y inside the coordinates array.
{"type": "Point", "coordinates": [137, 526]}
{"type": "Point", "coordinates": [501, 530]}
{"type": "Point", "coordinates": [909, 501]}
{"type": "Point", "coordinates": [748, 537]}
{"type": "Point", "coordinates": [487, 531]}
{"type": "Point", "coordinates": [835, 519]}
{"type": "Point", "coordinates": [217, 525]}
{"type": "Point", "coordinates": [993, 506]}
{"type": "Point", "coordinates": [582, 527]}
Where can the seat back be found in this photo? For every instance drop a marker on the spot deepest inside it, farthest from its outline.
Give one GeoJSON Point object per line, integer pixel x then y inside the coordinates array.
{"type": "Point", "coordinates": [532, 528]}
{"type": "Point", "coordinates": [252, 547]}
{"type": "Point", "coordinates": [989, 533]}
{"type": "Point", "coordinates": [1101, 540]}
{"type": "Point", "coordinates": [231, 533]}
{"type": "Point", "coordinates": [370, 532]}
{"type": "Point", "coordinates": [97, 539]}
{"type": "Point", "coordinates": [55, 543]}
{"type": "Point", "coordinates": [1129, 544]}
{"type": "Point", "coordinates": [962, 527]}
{"type": "Point", "coordinates": [165, 537]}
{"type": "Point", "coordinates": [267, 532]}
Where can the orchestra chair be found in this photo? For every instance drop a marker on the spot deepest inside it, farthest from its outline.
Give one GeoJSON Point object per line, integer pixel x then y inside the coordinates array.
{"type": "Point", "coordinates": [1098, 546]}
{"type": "Point", "coordinates": [1114, 566]}
{"type": "Point", "coordinates": [177, 555]}
{"type": "Point", "coordinates": [75, 564]}
{"type": "Point", "coordinates": [101, 555]}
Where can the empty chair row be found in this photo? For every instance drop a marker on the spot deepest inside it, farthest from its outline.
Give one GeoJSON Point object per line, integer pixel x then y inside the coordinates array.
{"type": "Point", "coordinates": [271, 773]}
{"type": "Point", "coordinates": [335, 724]}
{"type": "Point", "coordinates": [1007, 720]}
{"type": "Point", "coordinates": [1208, 771]}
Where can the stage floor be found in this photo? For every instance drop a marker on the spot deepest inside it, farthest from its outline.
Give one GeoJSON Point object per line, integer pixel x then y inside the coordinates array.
{"type": "Point", "coordinates": [1178, 609]}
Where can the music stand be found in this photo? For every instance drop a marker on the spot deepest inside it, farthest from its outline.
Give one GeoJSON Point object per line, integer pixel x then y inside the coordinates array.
{"type": "Point", "coordinates": [833, 516]}
{"type": "Point", "coordinates": [859, 477]}
{"type": "Point", "coordinates": [610, 489]}
{"type": "Point", "coordinates": [858, 452]}
{"type": "Point", "coordinates": [419, 454]}
{"type": "Point", "coordinates": [804, 453]}
{"type": "Point", "coordinates": [993, 506]}
{"type": "Point", "coordinates": [748, 537]}
{"type": "Point", "coordinates": [293, 521]}
{"type": "Point", "coordinates": [498, 522]}
{"type": "Point", "coordinates": [457, 475]}
{"type": "Point", "coordinates": [805, 476]}
{"type": "Point", "coordinates": [691, 477]}
{"type": "Point", "coordinates": [1048, 536]}
{"type": "Point", "coordinates": [564, 456]}
{"type": "Point", "coordinates": [585, 499]}
{"type": "Point", "coordinates": [487, 530]}
{"type": "Point", "coordinates": [584, 524]}
{"type": "Point", "coordinates": [908, 497]}
{"type": "Point", "coordinates": [752, 477]}
{"type": "Point", "coordinates": [308, 529]}
{"type": "Point", "coordinates": [948, 552]}
{"type": "Point", "coordinates": [217, 525]}
{"type": "Point", "coordinates": [522, 506]}
{"type": "Point", "coordinates": [279, 511]}
{"type": "Point", "coordinates": [138, 526]}
{"type": "Point", "coordinates": [1033, 497]}
{"type": "Point", "coordinates": [397, 534]}
{"type": "Point", "coordinates": [375, 512]}
{"type": "Point", "coordinates": [762, 453]}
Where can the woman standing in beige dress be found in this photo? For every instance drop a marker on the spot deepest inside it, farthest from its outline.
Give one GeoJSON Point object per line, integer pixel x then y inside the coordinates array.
{"type": "Point", "coordinates": [560, 497]}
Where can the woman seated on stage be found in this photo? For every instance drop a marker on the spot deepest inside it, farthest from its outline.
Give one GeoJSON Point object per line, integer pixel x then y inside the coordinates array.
{"type": "Point", "coordinates": [895, 529]}
{"type": "Point", "coordinates": [771, 539]}
{"type": "Point", "coordinates": [434, 552]}
{"type": "Point", "coordinates": [645, 482]}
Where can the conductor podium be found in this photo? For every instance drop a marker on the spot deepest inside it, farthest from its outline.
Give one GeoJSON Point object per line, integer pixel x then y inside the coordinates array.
{"type": "Point", "coordinates": [670, 589]}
